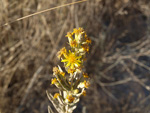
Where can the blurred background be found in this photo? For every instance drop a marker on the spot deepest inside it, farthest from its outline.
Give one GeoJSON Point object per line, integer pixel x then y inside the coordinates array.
{"type": "Point", "coordinates": [118, 62]}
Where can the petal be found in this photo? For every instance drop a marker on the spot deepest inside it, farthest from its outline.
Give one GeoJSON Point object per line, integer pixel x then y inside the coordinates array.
{"type": "Point", "coordinates": [72, 66]}
{"type": "Point", "coordinates": [64, 60]}
{"type": "Point", "coordinates": [78, 61]}
{"type": "Point", "coordinates": [79, 57]}
{"type": "Point", "coordinates": [68, 64]}
{"type": "Point", "coordinates": [78, 64]}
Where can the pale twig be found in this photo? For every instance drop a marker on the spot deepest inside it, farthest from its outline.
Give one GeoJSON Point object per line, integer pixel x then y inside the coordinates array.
{"type": "Point", "coordinates": [140, 64]}
{"type": "Point", "coordinates": [11, 49]}
{"type": "Point", "coordinates": [11, 73]}
{"type": "Point", "coordinates": [144, 100]}
{"type": "Point", "coordinates": [84, 109]}
{"type": "Point", "coordinates": [50, 97]}
{"type": "Point", "coordinates": [102, 74]}
{"type": "Point", "coordinates": [50, 110]}
{"type": "Point", "coordinates": [108, 92]}
{"type": "Point", "coordinates": [40, 12]}
{"type": "Point", "coordinates": [49, 57]}
{"type": "Point", "coordinates": [29, 87]}
{"type": "Point", "coordinates": [105, 90]}
{"type": "Point", "coordinates": [135, 78]}
{"type": "Point", "coordinates": [142, 44]}
{"type": "Point", "coordinates": [112, 66]}
{"type": "Point", "coordinates": [116, 83]}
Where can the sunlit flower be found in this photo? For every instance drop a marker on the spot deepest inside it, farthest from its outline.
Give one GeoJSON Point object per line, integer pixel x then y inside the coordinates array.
{"type": "Point", "coordinates": [85, 35]}
{"type": "Point", "coordinates": [78, 34]}
{"type": "Point", "coordinates": [63, 51]}
{"type": "Point", "coordinates": [85, 75]}
{"type": "Point", "coordinates": [71, 80]}
{"type": "Point", "coordinates": [88, 41]}
{"type": "Point", "coordinates": [73, 43]}
{"type": "Point", "coordinates": [62, 73]}
{"type": "Point", "coordinates": [77, 31]}
{"type": "Point", "coordinates": [84, 93]}
{"type": "Point", "coordinates": [72, 60]}
{"type": "Point", "coordinates": [86, 84]}
{"type": "Point", "coordinates": [56, 70]}
{"type": "Point", "coordinates": [85, 47]}
{"type": "Point", "coordinates": [69, 35]}
{"type": "Point", "coordinates": [53, 81]}
{"type": "Point", "coordinates": [70, 98]}
{"type": "Point", "coordinates": [56, 95]}
{"type": "Point", "coordinates": [76, 91]}
{"type": "Point", "coordinates": [71, 70]}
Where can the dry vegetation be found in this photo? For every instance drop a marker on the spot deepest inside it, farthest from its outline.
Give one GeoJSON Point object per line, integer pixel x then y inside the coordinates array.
{"type": "Point", "coordinates": [119, 61]}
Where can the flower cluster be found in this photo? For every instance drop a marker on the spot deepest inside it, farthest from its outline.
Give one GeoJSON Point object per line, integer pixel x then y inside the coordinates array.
{"type": "Point", "coordinates": [73, 81]}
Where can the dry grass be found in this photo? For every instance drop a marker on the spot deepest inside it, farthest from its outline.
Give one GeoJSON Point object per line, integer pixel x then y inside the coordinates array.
{"type": "Point", "coordinates": [118, 62]}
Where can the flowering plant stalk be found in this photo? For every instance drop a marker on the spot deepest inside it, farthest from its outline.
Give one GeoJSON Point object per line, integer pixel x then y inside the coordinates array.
{"type": "Point", "coordinates": [73, 81]}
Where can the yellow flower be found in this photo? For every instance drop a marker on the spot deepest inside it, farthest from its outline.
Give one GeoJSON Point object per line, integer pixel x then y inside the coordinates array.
{"type": "Point", "coordinates": [78, 34]}
{"type": "Point", "coordinates": [85, 47]}
{"type": "Point", "coordinates": [86, 84]}
{"type": "Point", "coordinates": [76, 91]}
{"type": "Point", "coordinates": [73, 43]}
{"type": "Point", "coordinates": [56, 95]}
{"type": "Point", "coordinates": [62, 73]}
{"type": "Point", "coordinates": [85, 75]}
{"type": "Point", "coordinates": [53, 81]}
{"type": "Point", "coordinates": [71, 70]}
{"type": "Point", "coordinates": [77, 31]}
{"type": "Point", "coordinates": [56, 70]}
{"type": "Point", "coordinates": [63, 51]}
{"type": "Point", "coordinates": [69, 35]}
{"type": "Point", "coordinates": [85, 35]}
{"type": "Point", "coordinates": [70, 98]}
{"type": "Point", "coordinates": [72, 60]}
{"type": "Point", "coordinates": [84, 93]}
{"type": "Point", "coordinates": [88, 41]}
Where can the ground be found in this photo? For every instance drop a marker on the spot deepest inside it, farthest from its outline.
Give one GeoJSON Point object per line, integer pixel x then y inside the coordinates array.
{"type": "Point", "coordinates": [118, 62]}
